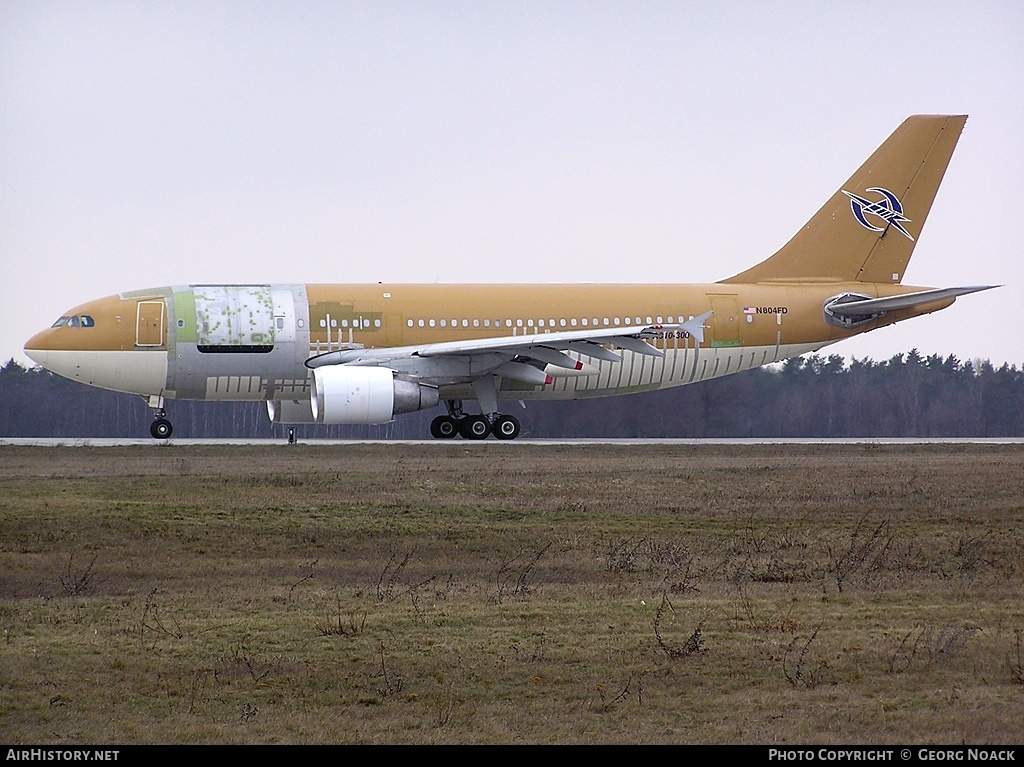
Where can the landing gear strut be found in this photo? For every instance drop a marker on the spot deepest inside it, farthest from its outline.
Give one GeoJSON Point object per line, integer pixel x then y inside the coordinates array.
{"type": "Point", "coordinates": [472, 426]}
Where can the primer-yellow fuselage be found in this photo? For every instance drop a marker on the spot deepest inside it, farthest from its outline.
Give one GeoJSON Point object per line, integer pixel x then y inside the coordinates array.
{"type": "Point", "coordinates": [157, 342]}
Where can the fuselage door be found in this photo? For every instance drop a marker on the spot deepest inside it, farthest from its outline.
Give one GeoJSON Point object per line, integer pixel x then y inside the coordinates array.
{"type": "Point", "coordinates": [284, 314]}
{"type": "Point", "coordinates": [725, 324]}
{"type": "Point", "coordinates": [149, 325]}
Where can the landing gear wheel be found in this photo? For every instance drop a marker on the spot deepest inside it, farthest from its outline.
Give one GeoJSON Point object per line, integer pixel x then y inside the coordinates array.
{"type": "Point", "coordinates": [443, 427]}
{"type": "Point", "coordinates": [474, 427]}
{"type": "Point", "coordinates": [161, 428]}
{"type": "Point", "coordinates": [506, 427]}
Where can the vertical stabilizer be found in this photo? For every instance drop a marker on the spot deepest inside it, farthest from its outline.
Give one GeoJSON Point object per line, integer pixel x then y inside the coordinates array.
{"type": "Point", "coordinates": [868, 229]}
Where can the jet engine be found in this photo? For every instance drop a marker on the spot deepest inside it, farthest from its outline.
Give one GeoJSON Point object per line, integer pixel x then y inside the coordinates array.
{"type": "Point", "coordinates": [290, 411]}
{"type": "Point", "coordinates": [363, 395]}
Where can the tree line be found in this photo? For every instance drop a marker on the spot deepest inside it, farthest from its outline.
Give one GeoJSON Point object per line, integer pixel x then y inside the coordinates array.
{"type": "Point", "coordinates": [906, 395]}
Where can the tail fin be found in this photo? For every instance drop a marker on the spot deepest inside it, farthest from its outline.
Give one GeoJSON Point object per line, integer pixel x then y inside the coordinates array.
{"type": "Point", "coordinates": [868, 229]}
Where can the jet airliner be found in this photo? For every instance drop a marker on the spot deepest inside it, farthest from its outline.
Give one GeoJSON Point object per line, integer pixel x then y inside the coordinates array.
{"type": "Point", "coordinates": [364, 354]}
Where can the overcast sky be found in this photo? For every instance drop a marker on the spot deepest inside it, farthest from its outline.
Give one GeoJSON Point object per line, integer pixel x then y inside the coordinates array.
{"type": "Point", "coordinates": [166, 143]}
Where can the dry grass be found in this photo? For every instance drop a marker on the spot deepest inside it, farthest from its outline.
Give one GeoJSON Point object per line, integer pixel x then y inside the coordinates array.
{"type": "Point", "coordinates": [506, 593]}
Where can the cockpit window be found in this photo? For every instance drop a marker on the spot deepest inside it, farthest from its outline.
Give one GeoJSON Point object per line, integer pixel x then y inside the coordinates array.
{"type": "Point", "coordinates": [76, 321]}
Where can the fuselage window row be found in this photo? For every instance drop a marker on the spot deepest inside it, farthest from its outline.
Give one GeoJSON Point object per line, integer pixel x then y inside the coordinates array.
{"type": "Point", "coordinates": [361, 322]}
{"type": "Point", "coordinates": [530, 323]}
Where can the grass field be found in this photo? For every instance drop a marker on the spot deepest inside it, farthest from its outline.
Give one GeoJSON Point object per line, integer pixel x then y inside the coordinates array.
{"type": "Point", "coordinates": [506, 593]}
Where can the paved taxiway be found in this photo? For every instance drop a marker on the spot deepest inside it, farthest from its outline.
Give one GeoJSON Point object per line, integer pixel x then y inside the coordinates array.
{"type": "Point", "coordinates": [143, 442]}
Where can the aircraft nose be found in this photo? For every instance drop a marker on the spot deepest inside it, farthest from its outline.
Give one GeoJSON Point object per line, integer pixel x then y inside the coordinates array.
{"type": "Point", "coordinates": [97, 344]}
{"type": "Point", "coordinates": [37, 348]}
{"type": "Point", "coordinates": [45, 349]}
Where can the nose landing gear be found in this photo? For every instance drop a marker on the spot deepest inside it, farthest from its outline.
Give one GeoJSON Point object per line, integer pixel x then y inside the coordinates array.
{"type": "Point", "coordinates": [160, 428]}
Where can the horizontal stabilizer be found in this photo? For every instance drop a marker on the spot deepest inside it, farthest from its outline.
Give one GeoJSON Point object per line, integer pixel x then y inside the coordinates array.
{"type": "Point", "coordinates": [906, 301]}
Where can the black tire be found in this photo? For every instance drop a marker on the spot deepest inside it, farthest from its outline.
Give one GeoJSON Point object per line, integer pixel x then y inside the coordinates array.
{"type": "Point", "coordinates": [443, 427]}
{"type": "Point", "coordinates": [161, 428]}
{"type": "Point", "coordinates": [506, 427]}
{"type": "Point", "coordinates": [474, 427]}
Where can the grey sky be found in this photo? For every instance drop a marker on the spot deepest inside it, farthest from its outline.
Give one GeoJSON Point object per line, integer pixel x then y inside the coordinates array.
{"type": "Point", "coordinates": [146, 144]}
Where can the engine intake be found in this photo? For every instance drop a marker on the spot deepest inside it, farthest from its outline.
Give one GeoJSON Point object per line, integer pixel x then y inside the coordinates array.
{"type": "Point", "coordinates": [364, 395]}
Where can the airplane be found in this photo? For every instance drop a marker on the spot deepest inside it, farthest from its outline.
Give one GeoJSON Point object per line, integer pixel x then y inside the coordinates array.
{"type": "Point", "coordinates": [364, 354]}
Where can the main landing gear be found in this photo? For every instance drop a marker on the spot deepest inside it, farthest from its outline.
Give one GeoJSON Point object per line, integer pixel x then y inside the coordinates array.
{"type": "Point", "coordinates": [472, 426]}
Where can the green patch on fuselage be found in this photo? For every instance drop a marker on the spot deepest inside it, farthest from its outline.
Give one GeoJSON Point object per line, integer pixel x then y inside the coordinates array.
{"type": "Point", "coordinates": [185, 313]}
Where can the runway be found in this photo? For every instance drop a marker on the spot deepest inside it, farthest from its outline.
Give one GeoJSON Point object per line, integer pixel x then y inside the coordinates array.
{"type": "Point", "coordinates": [148, 442]}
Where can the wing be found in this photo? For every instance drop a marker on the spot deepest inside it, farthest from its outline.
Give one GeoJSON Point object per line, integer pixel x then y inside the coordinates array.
{"type": "Point", "coordinates": [522, 357]}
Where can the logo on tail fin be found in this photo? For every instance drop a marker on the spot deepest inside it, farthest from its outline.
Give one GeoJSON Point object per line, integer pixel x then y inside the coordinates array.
{"type": "Point", "coordinates": [889, 209]}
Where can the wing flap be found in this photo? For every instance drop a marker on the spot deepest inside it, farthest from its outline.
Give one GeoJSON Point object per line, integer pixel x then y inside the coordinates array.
{"type": "Point", "coordinates": [596, 351]}
{"type": "Point", "coordinates": [636, 345]}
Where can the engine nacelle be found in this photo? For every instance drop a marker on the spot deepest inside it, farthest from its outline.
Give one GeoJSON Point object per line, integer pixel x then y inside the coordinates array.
{"type": "Point", "coordinates": [363, 395]}
{"type": "Point", "coordinates": [290, 411]}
